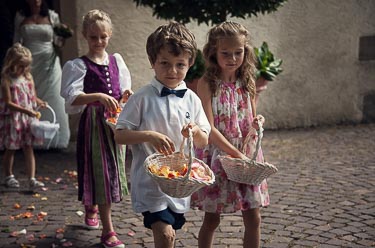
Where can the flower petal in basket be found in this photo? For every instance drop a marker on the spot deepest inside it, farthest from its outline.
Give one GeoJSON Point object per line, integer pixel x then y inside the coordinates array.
{"type": "Point", "coordinates": [178, 187]}
{"type": "Point", "coordinates": [111, 124]}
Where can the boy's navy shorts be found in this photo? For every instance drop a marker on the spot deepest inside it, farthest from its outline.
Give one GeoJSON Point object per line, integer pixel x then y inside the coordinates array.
{"type": "Point", "coordinates": [166, 216]}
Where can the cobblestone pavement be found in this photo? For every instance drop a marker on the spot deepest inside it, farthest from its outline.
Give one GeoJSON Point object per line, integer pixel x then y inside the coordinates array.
{"type": "Point", "coordinates": [322, 196]}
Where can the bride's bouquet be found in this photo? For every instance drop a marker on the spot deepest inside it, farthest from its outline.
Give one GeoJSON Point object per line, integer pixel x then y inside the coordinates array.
{"type": "Point", "coordinates": [62, 32]}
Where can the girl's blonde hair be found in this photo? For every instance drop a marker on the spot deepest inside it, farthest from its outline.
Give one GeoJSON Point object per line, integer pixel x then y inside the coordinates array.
{"type": "Point", "coordinates": [96, 17]}
{"type": "Point", "coordinates": [246, 72]}
{"type": "Point", "coordinates": [16, 56]}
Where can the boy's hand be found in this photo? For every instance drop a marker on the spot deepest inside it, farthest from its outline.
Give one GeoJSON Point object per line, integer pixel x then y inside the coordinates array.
{"type": "Point", "coordinates": [185, 129]}
{"type": "Point", "coordinates": [258, 121]}
{"type": "Point", "coordinates": [162, 143]}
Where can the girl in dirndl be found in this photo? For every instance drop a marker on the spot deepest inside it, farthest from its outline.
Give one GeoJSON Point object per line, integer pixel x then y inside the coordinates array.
{"type": "Point", "coordinates": [97, 83]}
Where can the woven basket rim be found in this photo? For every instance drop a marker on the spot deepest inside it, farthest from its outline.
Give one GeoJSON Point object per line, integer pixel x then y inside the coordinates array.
{"type": "Point", "coordinates": [178, 179]}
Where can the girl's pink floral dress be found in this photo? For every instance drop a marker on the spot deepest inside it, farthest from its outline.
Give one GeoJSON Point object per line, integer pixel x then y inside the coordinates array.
{"type": "Point", "coordinates": [15, 129]}
{"type": "Point", "coordinates": [232, 117]}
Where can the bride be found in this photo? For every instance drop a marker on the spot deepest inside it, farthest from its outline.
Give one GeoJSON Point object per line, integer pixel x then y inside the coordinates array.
{"type": "Point", "coordinates": [34, 29]}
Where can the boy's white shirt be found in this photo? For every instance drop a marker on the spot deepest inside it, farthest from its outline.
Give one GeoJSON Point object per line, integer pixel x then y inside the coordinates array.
{"type": "Point", "coordinates": [143, 111]}
{"type": "Point", "coordinates": [73, 74]}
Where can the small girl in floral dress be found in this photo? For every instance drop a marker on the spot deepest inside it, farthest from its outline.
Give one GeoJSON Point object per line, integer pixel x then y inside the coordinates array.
{"type": "Point", "coordinates": [227, 91]}
{"type": "Point", "coordinates": [18, 103]}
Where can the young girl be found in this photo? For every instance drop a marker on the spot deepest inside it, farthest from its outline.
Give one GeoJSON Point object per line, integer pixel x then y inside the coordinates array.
{"type": "Point", "coordinates": [18, 104]}
{"type": "Point", "coordinates": [227, 90]}
{"type": "Point", "coordinates": [96, 83]}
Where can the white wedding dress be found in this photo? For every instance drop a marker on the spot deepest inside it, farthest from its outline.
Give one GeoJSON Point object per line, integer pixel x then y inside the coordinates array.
{"type": "Point", "coordinates": [46, 71]}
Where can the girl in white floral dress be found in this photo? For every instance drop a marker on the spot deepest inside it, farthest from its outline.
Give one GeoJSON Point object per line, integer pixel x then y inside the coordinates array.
{"type": "Point", "coordinates": [227, 91]}
{"type": "Point", "coordinates": [18, 104]}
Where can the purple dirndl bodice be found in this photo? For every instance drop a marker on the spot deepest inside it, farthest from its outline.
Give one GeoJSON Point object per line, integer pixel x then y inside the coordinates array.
{"type": "Point", "coordinates": [102, 78]}
{"type": "Point", "coordinates": [100, 161]}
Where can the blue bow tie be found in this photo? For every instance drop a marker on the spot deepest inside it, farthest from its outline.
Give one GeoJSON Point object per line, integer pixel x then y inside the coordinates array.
{"type": "Point", "coordinates": [165, 92]}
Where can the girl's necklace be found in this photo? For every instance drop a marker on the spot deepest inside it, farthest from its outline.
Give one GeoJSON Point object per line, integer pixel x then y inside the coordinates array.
{"type": "Point", "coordinates": [97, 59]}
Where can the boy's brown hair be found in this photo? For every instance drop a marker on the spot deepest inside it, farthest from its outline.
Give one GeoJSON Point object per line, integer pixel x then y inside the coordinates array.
{"type": "Point", "coordinates": [174, 36]}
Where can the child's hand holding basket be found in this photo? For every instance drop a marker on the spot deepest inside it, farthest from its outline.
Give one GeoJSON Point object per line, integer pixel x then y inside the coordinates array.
{"type": "Point", "coordinates": [248, 171]}
{"type": "Point", "coordinates": [176, 175]}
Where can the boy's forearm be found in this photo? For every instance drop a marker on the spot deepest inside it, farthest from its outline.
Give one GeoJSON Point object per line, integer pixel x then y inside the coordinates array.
{"type": "Point", "coordinates": [130, 137]}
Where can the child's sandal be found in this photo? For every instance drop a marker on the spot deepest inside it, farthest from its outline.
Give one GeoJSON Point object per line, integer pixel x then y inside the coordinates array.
{"type": "Point", "coordinates": [33, 183]}
{"type": "Point", "coordinates": [11, 182]}
{"type": "Point", "coordinates": [91, 223]}
{"type": "Point", "coordinates": [111, 244]}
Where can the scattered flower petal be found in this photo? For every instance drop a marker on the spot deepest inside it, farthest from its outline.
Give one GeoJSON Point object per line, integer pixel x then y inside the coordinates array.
{"type": "Point", "coordinates": [30, 237]}
{"type": "Point", "coordinates": [42, 236]}
{"type": "Point", "coordinates": [64, 187]}
{"type": "Point", "coordinates": [16, 233]}
{"type": "Point", "coordinates": [16, 206]}
{"type": "Point", "coordinates": [31, 207]}
{"type": "Point", "coordinates": [79, 213]}
{"type": "Point", "coordinates": [59, 235]}
{"type": "Point", "coordinates": [131, 233]}
{"type": "Point", "coordinates": [36, 195]}
{"type": "Point", "coordinates": [67, 244]}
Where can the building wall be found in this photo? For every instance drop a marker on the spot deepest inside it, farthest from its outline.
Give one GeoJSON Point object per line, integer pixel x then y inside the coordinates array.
{"type": "Point", "coordinates": [323, 81]}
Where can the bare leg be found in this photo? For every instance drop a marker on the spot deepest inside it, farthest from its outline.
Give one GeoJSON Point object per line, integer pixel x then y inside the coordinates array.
{"type": "Point", "coordinates": [8, 160]}
{"type": "Point", "coordinates": [251, 220]}
{"type": "Point", "coordinates": [105, 217]}
{"type": "Point", "coordinates": [30, 161]}
{"type": "Point", "coordinates": [206, 234]}
{"type": "Point", "coordinates": [164, 235]}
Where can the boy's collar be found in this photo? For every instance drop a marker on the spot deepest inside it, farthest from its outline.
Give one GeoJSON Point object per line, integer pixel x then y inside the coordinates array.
{"type": "Point", "coordinates": [159, 86]}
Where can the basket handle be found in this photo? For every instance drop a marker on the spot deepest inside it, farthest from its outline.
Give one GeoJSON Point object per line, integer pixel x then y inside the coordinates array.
{"type": "Point", "coordinates": [259, 141]}
{"type": "Point", "coordinates": [52, 111]}
{"type": "Point", "coordinates": [190, 146]}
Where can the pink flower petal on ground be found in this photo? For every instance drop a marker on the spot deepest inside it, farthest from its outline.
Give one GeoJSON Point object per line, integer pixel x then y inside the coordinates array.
{"type": "Point", "coordinates": [67, 244]}
{"type": "Point", "coordinates": [30, 237]}
{"type": "Point", "coordinates": [59, 235]}
{"type": "Point", "coordinates": [131, 233]}
{"type": "Point", "coordinates": [64, 187]}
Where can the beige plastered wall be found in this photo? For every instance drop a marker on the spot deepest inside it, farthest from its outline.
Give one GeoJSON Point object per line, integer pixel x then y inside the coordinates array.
{"type": "Point", "coordinates": [323, 82]}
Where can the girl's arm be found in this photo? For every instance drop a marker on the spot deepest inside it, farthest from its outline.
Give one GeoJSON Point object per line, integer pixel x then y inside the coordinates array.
{"type": "Point", "coordinates": [159, 141]}
{"type": "Point", "coordinates": [257, 118]}
{"type": "Point", "coordinates": [124, 78]}
{"type": "Point", "coordinates": [109, 102]}
{"type": "Point", "coordinates": [215, 137]}
{"type": "Point", "coordinates": [5, 87]}
{"type": "Point", "coordinates": [39, 102]}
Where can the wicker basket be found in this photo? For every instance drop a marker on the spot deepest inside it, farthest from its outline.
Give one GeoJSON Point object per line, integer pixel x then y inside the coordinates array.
{"type": "Point", "coordinates": [45, 129]}
{"type": "Point", "coordinates": [183, 186]}
{"type": "Point", "coordinates": [247, 171]}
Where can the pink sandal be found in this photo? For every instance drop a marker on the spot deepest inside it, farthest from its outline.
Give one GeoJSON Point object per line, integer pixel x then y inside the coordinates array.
{"type": "Point", "coordinates": [91, 223]}
{"type": "Point", "coordinates": [111, 244]}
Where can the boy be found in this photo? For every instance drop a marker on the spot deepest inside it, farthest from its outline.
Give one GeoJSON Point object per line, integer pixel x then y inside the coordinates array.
{"type": "Point", "coordinates": [152, 120]}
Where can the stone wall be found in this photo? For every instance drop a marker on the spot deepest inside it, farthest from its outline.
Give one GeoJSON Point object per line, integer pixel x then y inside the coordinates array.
{"type": "Point", "coordinates": [323, 82]}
